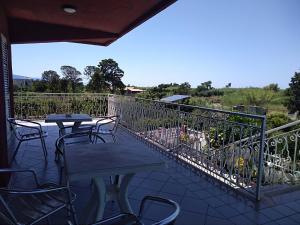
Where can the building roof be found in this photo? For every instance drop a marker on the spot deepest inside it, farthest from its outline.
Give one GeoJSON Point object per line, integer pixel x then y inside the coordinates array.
{"type": "Point", "coordinates": [174, 98]}
{"type": "Point", "coordinates": [98, 22]}
{"type": "Point", "coordinates": [133, 89]}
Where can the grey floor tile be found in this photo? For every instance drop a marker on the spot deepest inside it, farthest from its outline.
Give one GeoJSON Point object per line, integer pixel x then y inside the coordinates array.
{"type": "Point", "coordinates": [174, 197]}
{"type": "Point", "coordinates": [257, 217]}
{"type": "Point", "coordinates": [201, 194]}
{"type": "Point", "coordinates": [158, 212]}
{"type": "Point", "coordinates": [214, 202]}
{"type": "Point", "coordinates": [287, 221]}
{"type": "Point", "coordinates": [152, 184]}
{"type": "Point", "coordinates": [139, 193]}
{"type": "Point", "coordinates": [295, 217]}
{"type": "Point", "coordinates": [159, 176]}
{"type": "Point", "coordinates": [194, 205]}
{"type": "Point", "coordinates": [174, 188]}
{"type": "Point", "coordinates": [271, 223]}
{"type": "Point", "coordinates": [284, 210]}
{"type": "Point", "coordinates": [189, 218]}
{"type": "Point", "coordinates": [242, 207]}
{"type": "Point", "coordinates": [272, 213]}
{"type": "Point", "coordinates": [241, 220]}
{"type": "Point", "coordinates": [217, 221]}
{"type": "Point", "coordinates": [294, 206]}
{"type": "Point", "coordinates": [227, 211]}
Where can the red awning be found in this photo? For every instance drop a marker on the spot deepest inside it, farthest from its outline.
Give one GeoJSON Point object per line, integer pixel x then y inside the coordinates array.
{"type": "Point", "coordinates": [99, 22]}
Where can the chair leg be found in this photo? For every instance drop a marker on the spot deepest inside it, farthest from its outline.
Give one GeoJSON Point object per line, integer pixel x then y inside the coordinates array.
{"type": "Point", "coordinates": [57, 156]}
{"type": "Point", "coordinates": [61, 175]}
{"type": "Point", "coordinates": [72, 209]}
{"type": "Point", "coordinates": [96, 139]}
{"type": "Point", "coordinates": [44, 148]}
{"type": "Point", "coordinates": [102, 139]}
{"type": "Point", "coordinates": [114, 138]}
{"type": "Point", "coordinates": [16, 151]}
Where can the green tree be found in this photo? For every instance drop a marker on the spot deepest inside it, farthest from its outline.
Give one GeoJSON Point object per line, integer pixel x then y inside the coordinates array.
{"type": "Point", "coordinates": [98, 83]}
{"type": "Point", "coordinates": [273, 87]}
{"type": "Point", "coordinates": [183, 89]}
{"type": "Point", "coordinates": [65, 85]}
{"type": "Point", "coordinates": [71, 74]}
{"type": "Point", "coordinates": [90, 70]}
{"type": "Point", "coordinates": [105, 77]}
{"type": "Point", "coordinates": [39, 86]}
{"type": "Point", "coordinates": [293, 93]}
{"type": "Point", "coordinates": [51, 78]}
{"type": "Point", "coordinates": [112, 73]}
{"type": "Point", "coordinates": [205, 86]}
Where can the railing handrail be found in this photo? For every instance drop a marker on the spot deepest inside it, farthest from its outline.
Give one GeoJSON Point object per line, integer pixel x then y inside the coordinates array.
{"type": "Point", "coordinates": [294, 123]}
{"type": "Point", "coordinates": [48, 93]}
{"type": "Point", "coordinates": [253, 116]}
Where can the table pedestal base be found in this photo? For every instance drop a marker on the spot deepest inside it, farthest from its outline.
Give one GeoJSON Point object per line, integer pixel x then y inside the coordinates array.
{"type": "Point", "coordinates": [102, 193]}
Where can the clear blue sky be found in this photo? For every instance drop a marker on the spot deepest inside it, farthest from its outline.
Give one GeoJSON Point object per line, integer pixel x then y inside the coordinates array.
{"type": "Point", "coordinates": [245, 42]}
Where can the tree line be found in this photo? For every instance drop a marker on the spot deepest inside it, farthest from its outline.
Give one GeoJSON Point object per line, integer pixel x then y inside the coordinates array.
{"type": "Point", "coordinates": [106, 77]}
{"type": "Point", "coordinates": [254, 96]}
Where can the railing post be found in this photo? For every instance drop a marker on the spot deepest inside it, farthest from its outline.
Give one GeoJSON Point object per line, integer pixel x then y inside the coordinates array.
{"type": "Point", "coordinates": [261, 159]}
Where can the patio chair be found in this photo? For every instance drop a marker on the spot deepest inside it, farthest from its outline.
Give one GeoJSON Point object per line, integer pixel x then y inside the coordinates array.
{"type": "Point", "coordinates": [30, 206]}
{"type": "Point", "coordinates": [129, 218]}
{"type": "Point", "coordinates": [108, 127]}
{"type": "Point", "coordinates": [71, 129]}
{"type": "Point", "coordinates": [84, 137]}
{"type": "Point", "coordinates": [26, 130]}
{"type": "Point", "coordinates": [71, 139]}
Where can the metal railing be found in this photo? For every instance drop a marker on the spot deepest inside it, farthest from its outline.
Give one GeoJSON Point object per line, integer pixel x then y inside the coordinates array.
{"type": "Point", "coordinates": [233, 147]}
{"type": "Point", "coordinates": [282, 156]}
{"type": "Point", "coordinates": [225, 144]}
{"type": "Point", "coordinates": [38, 105]}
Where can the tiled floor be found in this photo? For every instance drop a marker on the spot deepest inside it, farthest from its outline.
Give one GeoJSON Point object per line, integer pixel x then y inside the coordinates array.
{"type": "Point", "coordinates": [202, 200]}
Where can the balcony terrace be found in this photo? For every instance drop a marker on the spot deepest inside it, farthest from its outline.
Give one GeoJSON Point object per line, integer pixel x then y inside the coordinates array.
{"type": "Point", "coordinates": [207, 191]}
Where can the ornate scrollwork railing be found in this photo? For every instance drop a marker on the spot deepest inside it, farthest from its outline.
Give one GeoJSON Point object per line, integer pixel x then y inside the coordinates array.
{"type": "Point", "coordinates": [224, 143]}
{"type": "Point", "coordinates": [231, 146]}
{"type": "Point", "coordinates": [282, 155]}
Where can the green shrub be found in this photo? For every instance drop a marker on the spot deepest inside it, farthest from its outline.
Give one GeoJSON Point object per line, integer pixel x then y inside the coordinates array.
{"type": "Point", "coordinates": [277, 120]}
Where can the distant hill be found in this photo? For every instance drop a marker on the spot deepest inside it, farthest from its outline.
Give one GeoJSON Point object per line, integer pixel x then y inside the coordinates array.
{"type": "Point", "coordinates": [23, 81]}
{"type": "Point", "coordinates": [19, 77]}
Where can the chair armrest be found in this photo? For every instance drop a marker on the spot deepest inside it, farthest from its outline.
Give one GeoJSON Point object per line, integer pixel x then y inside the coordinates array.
{"type": "Point", "coordinates": [29, 121]}
{"type": "Point", "coordinates": [107, 117]}
{"type": "Point", "coordinates": [30, 127]}
{"type": "Point", "coordinates": [172, 203]}
{"type": "Point", "coordinates": [35, 191]}
{"type": "Point", "coordinates": [102, 124]}
{"type": "Point", "coordinates": [81, 126]}
{"type": "Point", "coordinates": [8, 170]}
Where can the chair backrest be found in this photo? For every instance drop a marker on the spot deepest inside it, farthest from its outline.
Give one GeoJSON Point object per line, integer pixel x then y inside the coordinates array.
{"type": "Point", "coordinates": [128, 218]}
{"type": "Point", "coordinates": [168, 220]}
{"type": "Point", "coordinates": [7, 215]}
{"type": "Point", "coordinates": [14, 127]}
{"type": "Point", "coordinates": [116, 120]}
{"type": "Point", "coordinates": [74, 138]}
{"type": "Point", "coordinates": [21, 127]}
{"type": "Point", "coordinates": [85, 137]}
